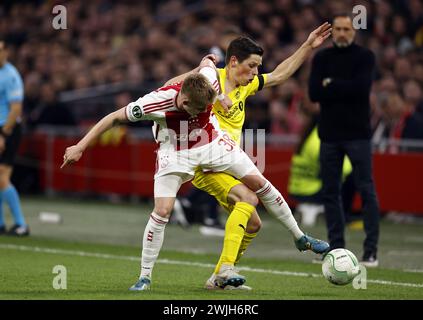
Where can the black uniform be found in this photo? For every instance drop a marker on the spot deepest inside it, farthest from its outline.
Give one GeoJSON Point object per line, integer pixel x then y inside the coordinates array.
{"type": "Point", "coordinates": [344, 129]}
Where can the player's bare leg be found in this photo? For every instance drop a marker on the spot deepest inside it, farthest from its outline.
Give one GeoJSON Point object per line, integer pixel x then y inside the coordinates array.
{"type": "Point", "coordinates": [9, 195]}
{"type": "Point", "coordinates": [276, 205]}
{"type": "Point", "coordinates": [165, 189]}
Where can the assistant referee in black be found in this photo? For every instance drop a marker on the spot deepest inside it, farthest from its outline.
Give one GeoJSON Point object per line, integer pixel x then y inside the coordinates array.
{"type": "Point", "coordinates": [340, 81]}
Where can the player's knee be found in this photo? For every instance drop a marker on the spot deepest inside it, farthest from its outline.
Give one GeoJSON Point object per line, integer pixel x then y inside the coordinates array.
{"type": "Point", "coordinates": [163, 212]}
{"type": "Point", "coordinates": [249, 197]}
{"type": "Point", "coordinates": [254, 224]}
{"type": "Point", "coordinates": [254, 182]}
{"type": "Point", "coordinates": [241, 193]}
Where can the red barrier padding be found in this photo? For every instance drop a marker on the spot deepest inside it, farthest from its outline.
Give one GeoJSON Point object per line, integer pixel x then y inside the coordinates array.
{"type": "Point", "coordinates": [128, 169]}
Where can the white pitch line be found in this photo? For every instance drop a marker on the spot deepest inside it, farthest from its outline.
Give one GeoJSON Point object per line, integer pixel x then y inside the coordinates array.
{"type": "Point", "coordinates": [193, 264]}
{"type": "Point", "coordinates": [405, 253]}
{"type": "Point", "coordinates": [413, 270]}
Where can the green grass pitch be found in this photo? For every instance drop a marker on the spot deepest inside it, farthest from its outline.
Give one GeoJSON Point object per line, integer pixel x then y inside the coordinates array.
{"type": "Point", "coordinates": [99, 245]}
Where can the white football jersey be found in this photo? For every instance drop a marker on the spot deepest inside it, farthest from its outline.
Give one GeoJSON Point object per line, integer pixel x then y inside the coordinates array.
{"type": "Point", "coordinates": [173, 127]}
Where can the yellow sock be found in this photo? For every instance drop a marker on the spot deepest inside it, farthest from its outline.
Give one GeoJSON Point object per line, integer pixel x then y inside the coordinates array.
{"type": "Point", "coordinates": [234, 233]}
{"type": "Point", "coordinates": [246, 240]}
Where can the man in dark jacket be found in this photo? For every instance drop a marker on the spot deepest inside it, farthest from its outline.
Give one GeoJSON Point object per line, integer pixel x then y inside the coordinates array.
{"type": "Point", "coordinates": [340, 81]}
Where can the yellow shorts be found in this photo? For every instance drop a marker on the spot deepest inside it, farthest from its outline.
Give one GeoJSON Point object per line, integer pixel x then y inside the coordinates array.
{"type": "Point", "coordinates": [216, 184]}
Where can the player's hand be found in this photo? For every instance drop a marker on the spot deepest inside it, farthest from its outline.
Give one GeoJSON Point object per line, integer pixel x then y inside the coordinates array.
{"type": "Point", "coordinates": [211, 56]}
{"type": "Point", "coordinates": [319, 35]}
{"type": "Point", "coordinates": [72, 154]}
{"type": "Point", "coordinates": [209, 60]}
{"type": "Point", "coordinates": [226, 103]}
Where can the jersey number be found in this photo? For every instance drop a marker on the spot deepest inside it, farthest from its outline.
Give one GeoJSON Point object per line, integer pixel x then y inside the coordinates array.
{"type": "Point", "coordinates": [228, 142]}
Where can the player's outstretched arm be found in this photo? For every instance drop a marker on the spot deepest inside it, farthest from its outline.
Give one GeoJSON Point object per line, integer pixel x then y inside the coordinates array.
{"type": "Point", "coordinates": [74, 153]}
{"type": "Point", "coordinates": [288, 67]}
{"type": "Point", "coordinates": [210, 61]}
{"type": "Point", "coordinates": [181, 77]}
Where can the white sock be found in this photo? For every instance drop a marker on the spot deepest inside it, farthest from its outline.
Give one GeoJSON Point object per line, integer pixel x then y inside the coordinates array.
{"type": "Point", "coordinates": [152, 243]}
{"type": "Point", "coordinates": [276, 206]}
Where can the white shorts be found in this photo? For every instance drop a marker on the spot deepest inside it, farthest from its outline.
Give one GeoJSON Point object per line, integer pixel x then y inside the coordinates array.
{"type": "Point", "coordinates": [221, 155]}
{"type": "Point", "coordinates": [168, 185]}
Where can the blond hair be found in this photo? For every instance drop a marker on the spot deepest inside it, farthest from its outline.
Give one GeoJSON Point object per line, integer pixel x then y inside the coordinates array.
{"type": "Point", "coordinates": [199, 91]}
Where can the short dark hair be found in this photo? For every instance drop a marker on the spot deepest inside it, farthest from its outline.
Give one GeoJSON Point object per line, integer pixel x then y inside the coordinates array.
{"type": "Point", "coordinates": [341, 15]}
{"type": "Point", "coordinates": [242, 48]}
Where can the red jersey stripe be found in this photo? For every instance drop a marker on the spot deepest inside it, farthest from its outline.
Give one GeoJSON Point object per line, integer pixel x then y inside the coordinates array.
{"type": "Point", "coordinates": [264, 192]}
{"type": "Point", "coordinates": [157, 220]}
{"type": "Point", "coordinates": [156, 104]}
{"type": "Point", "coordinates": [158, 108]}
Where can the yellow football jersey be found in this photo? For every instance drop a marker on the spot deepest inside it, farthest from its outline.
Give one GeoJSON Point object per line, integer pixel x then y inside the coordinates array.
{"type": "Point", "coordinates": [233, 121]}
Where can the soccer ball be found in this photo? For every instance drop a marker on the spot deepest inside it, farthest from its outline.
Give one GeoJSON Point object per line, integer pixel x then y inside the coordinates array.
{"type": "Point", "coordinates": [340, 266]}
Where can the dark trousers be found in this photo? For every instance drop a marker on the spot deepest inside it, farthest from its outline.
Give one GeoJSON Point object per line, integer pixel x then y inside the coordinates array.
{"type": "Point", "coordinates": [331, 159]}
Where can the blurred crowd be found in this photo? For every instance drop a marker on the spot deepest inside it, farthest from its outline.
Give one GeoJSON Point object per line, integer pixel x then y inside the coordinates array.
{"type": "Point", "coordinates": [145, 43]}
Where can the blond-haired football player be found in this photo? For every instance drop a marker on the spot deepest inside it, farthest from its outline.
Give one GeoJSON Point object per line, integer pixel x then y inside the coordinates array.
{"type": "Point", "coordinates": [187, 140]}
{"type": "Point", "coordinates": [239, 80]}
